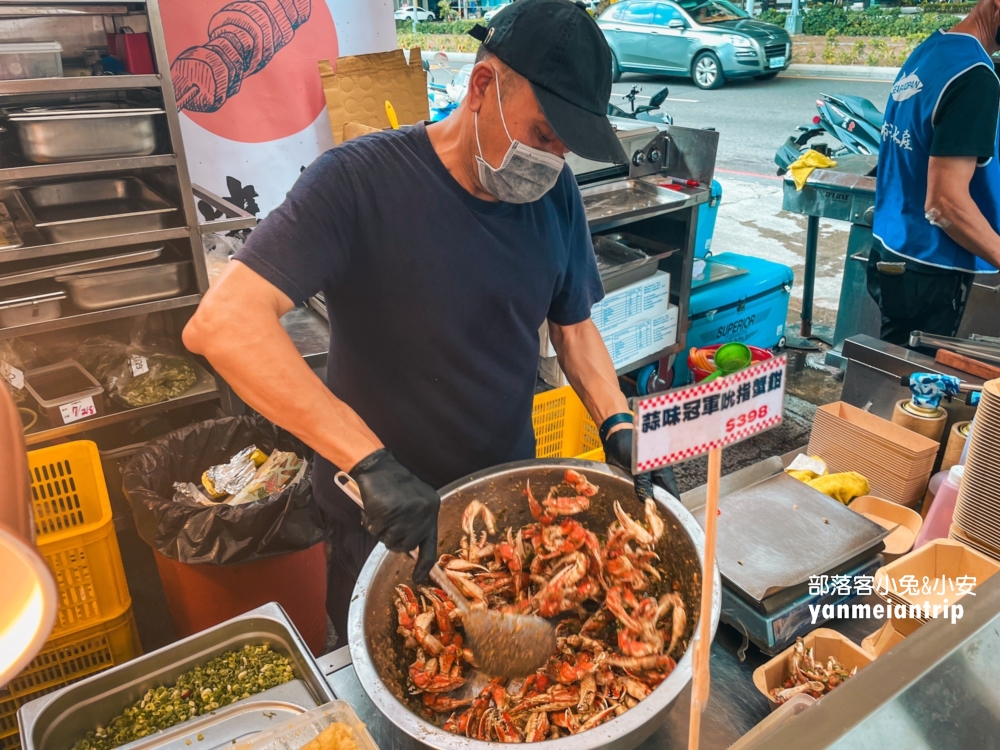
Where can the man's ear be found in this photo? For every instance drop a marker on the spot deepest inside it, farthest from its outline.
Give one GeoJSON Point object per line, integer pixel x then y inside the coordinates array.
{"type": "Point", "coordinates": [482, 76]}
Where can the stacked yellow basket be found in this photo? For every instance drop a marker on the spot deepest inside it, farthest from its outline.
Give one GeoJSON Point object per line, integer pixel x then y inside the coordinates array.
{"type": "Point", "coordinates": [563, 428]}
{"type": "Point", "coordinates": [75, 534]}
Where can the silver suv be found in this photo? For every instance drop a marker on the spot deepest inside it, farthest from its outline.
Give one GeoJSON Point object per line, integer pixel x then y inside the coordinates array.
{"type": "Point", "coordinates": [709, 40]}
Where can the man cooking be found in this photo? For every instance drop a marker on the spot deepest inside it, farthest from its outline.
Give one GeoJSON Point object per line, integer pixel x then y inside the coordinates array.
{"type": "Point", "coordinates": [441, 248]}
{"type": "Point", "coordinates": [937, 196]}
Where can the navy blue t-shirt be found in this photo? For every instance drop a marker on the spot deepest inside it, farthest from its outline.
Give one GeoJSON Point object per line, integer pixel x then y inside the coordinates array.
{"type": "Point", "coordinates": [435, 297]}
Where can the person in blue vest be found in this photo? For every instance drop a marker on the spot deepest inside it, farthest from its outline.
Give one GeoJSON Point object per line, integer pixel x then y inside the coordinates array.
{"type": "Point", "coordinates": [937, 196]}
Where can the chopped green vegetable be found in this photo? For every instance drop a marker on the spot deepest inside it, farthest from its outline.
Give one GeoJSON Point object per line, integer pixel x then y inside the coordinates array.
{"type": "Point", "coordinates": [226, 679]}
{"type": "Point", "coordinates": [168, 377]}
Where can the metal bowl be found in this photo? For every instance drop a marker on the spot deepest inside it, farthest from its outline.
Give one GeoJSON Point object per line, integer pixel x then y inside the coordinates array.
{"type": "Point", "coordinates": [375, 647]}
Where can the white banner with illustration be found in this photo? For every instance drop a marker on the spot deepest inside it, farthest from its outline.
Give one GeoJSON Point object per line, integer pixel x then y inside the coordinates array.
{"type": "Point", "coordinates": [245, 75]}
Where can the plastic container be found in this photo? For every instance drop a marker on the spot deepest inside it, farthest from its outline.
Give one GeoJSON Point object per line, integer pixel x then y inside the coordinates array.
{"type": "Point", "coordinates": [563, 428]}
{"type": "Point", "coordinates": [30, 60]}
{"type": "Point", "coordinates": [65, 659]}
{"type": "Point", "coordinates": [75, 534]}
{"type": "Point", "coordinates": [756, 355]}
{"type": "Point", "coordinates": [938, 519]}
{"type": "Point", "coordinates": [295, 733]}
{"type": "Point", "coordinates": [65, 392]}
{"type": "Point", "coordinates": [750, 308]}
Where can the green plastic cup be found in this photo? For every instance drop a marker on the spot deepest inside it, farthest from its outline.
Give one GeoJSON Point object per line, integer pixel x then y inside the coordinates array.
{"type": "Point", "coordinates": [732, 358]}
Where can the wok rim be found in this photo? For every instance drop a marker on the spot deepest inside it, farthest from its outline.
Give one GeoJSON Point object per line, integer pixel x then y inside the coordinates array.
{"type": "Point", "coordinates": [637, 723]}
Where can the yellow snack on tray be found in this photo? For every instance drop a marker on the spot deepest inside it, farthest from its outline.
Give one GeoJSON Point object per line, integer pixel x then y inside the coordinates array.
{"type": "Point", "coordinates": [337, 736]}
{"type": "Point", "coordinates": [843, 487]}
{"type": "Point", "coordinates": [258, 456]}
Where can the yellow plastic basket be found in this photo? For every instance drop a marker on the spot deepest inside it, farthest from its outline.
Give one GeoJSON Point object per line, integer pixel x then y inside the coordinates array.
{"type": "Point", "coordinates": [563, 428]}
{"type": "Point", "coordinates": [76, 535]}
{"type": "Point", "coordinates": [66, 659]}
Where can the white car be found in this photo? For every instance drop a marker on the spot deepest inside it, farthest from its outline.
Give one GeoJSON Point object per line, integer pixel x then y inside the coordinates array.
{"type": "Point", "coordinates": [405, 13]}
{"type": "Point", "coordinates": [488, 15]}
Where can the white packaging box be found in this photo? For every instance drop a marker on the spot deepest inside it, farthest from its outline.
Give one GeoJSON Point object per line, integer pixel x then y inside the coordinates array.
{"type": "Point", "coordinates": [621, 309]}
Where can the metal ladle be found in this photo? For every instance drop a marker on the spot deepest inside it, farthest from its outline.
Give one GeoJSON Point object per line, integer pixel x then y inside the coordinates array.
{"type": "Point", "coordinates": [505, 645]}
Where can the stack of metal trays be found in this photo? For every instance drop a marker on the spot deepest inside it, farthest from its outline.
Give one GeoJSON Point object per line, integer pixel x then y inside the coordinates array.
{"type": "Point", "coordinates": [58, 720]}
{"type": "Point", "coordinates": [624, 258]}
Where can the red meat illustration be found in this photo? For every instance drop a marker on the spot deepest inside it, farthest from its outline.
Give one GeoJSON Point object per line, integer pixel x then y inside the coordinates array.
{"type": "Point", "coordinates": [243, 37]}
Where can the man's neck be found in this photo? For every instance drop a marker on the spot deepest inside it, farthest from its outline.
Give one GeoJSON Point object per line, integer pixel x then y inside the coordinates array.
{"type": "Point", "coordinates": [981, 26]}
{"type": "Point", "coordinates": [451, 139]}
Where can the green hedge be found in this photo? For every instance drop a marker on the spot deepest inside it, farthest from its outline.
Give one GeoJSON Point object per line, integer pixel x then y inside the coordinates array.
{"type": "Point", "coordinates": [836, 20]}
{"type": "Point", "coordinates": [437, 27]}
{"type": "Point", "coordinates": [946, 7]}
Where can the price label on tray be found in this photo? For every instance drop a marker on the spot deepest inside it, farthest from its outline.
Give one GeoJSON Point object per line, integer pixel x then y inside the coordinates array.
{"type": "Point", "coordinates": [685, 423]}
{"type": "Point", "coordinates": [138, 364]}
{"type": "Point", "coordinates": [74, 411]}
{"type": "Point", "coordinates": [12, 375]}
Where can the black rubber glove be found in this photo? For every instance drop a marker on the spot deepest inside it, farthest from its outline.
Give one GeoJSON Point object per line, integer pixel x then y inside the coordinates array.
{"type": "Point", "coordinates": [618, 452]}
{"type": "Point", "coordinates": [400, 510]}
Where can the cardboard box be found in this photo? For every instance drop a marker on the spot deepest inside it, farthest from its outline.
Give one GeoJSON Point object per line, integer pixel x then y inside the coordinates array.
{"type": "Point", "coordinates": [642, 338]}
{"type": "Point", "coordinates": [888, 636]}
{"type": "Point", "coordinates": [936, 559]}
{"type": "Point", "coordinates": [642, 300]}
{"type": "Point", "coordinates": [551, 373]}
{"type": "Point", "coordinates": [825, 643]}
{"type": "Point", "coordinates": [888, 515]}
{"type": "Point", "coordinates": [356, 92]}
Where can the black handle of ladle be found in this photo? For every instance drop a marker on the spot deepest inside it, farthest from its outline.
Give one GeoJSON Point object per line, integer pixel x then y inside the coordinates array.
{"type": "Point", "coordinates": [346, 483]}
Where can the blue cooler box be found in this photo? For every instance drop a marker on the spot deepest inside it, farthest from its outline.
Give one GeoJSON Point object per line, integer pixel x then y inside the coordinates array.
{"type": "Point", "coordinates": [750, 308]}
{"type": "Point", "coordinates": [707, 213]}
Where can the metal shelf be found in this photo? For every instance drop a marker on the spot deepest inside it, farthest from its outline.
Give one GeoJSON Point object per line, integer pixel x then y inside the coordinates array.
{"type": "Point", "coordinates": [21, 9]}
{"type": "Point", "coordinates": [203, 390]}
{"type": "Point", "coordinates": [79, 246]}
{"type": "Point", "coordinates": [79, 83]}
{"type": "Point", "coordinates": [80, 319]}
{"type": "Point", "coordinates": [36, 171]}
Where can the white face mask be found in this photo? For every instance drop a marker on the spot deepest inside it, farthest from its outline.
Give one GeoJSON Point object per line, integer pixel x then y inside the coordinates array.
{"type": "Point", "coordinates": [524, 175]}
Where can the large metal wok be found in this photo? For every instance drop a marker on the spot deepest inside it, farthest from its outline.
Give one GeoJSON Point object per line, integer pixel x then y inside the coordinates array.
{"type": "Point", "coordinates": [375, 647]}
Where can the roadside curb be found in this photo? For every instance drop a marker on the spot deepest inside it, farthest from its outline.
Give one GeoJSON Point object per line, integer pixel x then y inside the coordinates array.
{"type": "Point", "coordinates": [865, 72]}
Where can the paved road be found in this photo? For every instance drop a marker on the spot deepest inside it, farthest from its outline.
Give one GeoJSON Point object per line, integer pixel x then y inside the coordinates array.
{"type": "Point", "coordinates": [753, 119]}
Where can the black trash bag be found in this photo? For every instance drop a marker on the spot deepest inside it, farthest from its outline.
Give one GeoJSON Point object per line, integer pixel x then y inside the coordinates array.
{"type": "Point", "coordinates": [223, 534]}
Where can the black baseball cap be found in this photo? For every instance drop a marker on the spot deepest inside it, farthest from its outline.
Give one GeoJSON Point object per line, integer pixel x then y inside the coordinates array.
{"type": "Point", "coordinates": [562, 52]}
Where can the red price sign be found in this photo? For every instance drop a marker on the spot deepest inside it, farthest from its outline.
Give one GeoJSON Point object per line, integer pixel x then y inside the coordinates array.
{"type": "Point", "coordinates": [77, 410]}
{"type": "Point", "coordinates": [747, 418]}
{"type": "Point", "coordinates": [690, 421]}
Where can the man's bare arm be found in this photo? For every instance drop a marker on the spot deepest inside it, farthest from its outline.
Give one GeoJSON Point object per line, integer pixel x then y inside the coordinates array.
{"type": "Point", "coordinates": [588, 366]}
{"type": "Point", "coordinates": [948, 198]}
{"type": "Point", "coordinates": [237, 328]}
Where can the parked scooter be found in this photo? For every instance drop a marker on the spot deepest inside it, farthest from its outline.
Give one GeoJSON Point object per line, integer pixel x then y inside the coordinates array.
{"type": "Point", "coordinates": [855, 122]}
{"type": "Point", "coordinates": [649, 113]}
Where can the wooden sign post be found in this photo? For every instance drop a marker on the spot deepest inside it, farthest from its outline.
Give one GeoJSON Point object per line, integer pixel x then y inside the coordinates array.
{"type": "Point", "coordinates": [689, 422]}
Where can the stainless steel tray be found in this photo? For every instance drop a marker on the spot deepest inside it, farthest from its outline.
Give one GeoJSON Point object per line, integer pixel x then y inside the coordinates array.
{"type": "Point", "coordinates": [627, 200]}
{"type": "Point", "coordinates": [103, 260]}
{"type": "Point", "coordinates": [127, 286]}
{"type": "Point", "coordinates": [57, 720]}
{"type": "Point", "coordinates": [78, 132]}
{"type": "Point", "coordinates": [85, 209]}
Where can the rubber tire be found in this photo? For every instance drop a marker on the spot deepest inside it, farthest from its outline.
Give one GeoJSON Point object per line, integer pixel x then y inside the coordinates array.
{"type": "Point", "coordinates": [781, 343]}
{"type": "Point", "coordinates": [767, 76]}
{"type": "Point", "coordinates": [616, 72]}
{"type": "Point", "coordinates": [644, 378]}
{"type": "Point", "coordinates": [720, 78]}
{"type": "Point", "coordinates": [432, 17]}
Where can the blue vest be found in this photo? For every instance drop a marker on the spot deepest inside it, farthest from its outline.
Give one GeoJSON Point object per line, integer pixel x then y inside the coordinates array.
{"type": "Point", "coordinates": [901, 184]}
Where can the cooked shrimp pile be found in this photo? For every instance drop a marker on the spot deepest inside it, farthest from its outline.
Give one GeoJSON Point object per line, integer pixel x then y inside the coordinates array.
{"type": "Point", "coordinates": [616, 642]}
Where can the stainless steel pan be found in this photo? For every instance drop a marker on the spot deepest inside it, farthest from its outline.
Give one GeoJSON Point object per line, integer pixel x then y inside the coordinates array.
{"type": "Point", "coordinates": [372, 620]}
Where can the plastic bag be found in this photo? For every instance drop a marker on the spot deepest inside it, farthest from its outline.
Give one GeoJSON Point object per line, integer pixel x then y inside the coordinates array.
{"type": "Point", "coordinates": [134, 374]}
{"type": "Point", "coordinates": [219, 249]}
{"type": "Point", "coordinates": [180, 528]}
{"type": "Point", "coordinates": [16, 356]}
